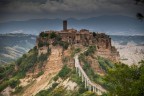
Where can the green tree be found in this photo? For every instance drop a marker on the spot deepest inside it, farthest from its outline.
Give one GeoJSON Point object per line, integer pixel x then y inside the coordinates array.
{"type": "Point", "coordinates": [94, 34]}
{"type": "Point", "coordinates": [43, 34]}
{"type": "Point", "coordinates": [41, 44]}
{"type": "Point", "coordinates": [126, 81]}
{"type": "Point", "coordinates": [53, 35]}
{"type": "Point", "coordinates": [140, 16]}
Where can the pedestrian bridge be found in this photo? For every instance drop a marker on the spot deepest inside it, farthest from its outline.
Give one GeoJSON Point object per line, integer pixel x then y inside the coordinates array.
{"type": "Point", "coordinates": [88, 83]}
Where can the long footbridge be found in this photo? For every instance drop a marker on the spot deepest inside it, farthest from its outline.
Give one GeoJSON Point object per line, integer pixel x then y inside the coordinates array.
{"type": "Point", "coordinates": [88, 83]}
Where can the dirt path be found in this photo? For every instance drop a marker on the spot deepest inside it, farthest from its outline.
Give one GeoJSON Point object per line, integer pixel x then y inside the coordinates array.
{"type": "Point", "coordinates": [52, 67]}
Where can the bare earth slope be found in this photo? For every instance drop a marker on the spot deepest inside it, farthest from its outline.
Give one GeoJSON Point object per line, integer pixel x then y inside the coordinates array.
{"type": "Point", "coordinates": [53, 66]}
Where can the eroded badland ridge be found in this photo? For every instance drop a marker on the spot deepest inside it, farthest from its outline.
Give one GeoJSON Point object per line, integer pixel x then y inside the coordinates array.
{"type": "Point", "coordinates": [50, 65]}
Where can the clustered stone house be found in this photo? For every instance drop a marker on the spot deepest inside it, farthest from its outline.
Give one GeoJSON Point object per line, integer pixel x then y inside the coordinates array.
{"type": "Point", "coordinates": [84, 37]}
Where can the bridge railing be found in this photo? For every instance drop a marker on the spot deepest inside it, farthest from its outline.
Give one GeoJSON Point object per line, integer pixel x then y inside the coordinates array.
{"type": "Point", "coordinates": [88, 83]}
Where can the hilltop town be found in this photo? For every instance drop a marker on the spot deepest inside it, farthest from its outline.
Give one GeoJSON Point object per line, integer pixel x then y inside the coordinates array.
{"type": "Point", "coordinates": [83, 37]}
{"type": "Point", "coordinates": [65, 63]}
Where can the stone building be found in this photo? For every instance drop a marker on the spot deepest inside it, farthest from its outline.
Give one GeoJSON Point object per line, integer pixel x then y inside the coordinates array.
{"type": "Point", "coordinates": [85, 37]}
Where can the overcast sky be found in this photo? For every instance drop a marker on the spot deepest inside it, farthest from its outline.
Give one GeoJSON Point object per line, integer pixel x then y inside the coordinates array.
{"type": "Point", "coordinates": [36, 9]}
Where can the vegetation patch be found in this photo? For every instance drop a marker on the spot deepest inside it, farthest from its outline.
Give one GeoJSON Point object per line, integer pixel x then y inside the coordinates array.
{"type": "Point", "coordinates": [10, 76]}
{"type": "Point", "coordinates": [64, 72]}
{"type": "Point", "coordinates": [90, 50]}
{"type": "Point", "coordinates": [90, 72]}
{"type": "Point", "coordinates": [74, 51]}
{"type": "Point", "coordinates": [13, 83]}
{"type": "Point", "coordinates": [18, 89]}
{"type": "Point", "coordinates": [126, 81]}
{"type": "Point", "coordinates": [6, 71]}
{"type": "Point", "coordinates": [105, 64]}
{"type": "Point", "coordinates": [40, 73]}
{"type": "Point", "coordinates": [88, 93]}
{"type": "Point", "coordinates": [43, 35]}
{"type": "Point", "coordinates": [57, 40]}
{"type": "Point", "coordinates": [48, 91]}
{"type": "Point", "coordinates": [41, 44]}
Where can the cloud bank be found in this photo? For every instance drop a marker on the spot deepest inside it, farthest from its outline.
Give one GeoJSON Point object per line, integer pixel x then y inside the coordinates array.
{"type": "Point", "coordinates": [33, 9]}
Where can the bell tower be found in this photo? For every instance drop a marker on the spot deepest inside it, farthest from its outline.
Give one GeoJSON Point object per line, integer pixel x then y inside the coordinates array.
{"type": "Point", "coordinates": [65, 25]}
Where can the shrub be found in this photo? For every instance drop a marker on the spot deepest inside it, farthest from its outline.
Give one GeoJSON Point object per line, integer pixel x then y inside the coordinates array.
{"type": "Point", "coordinates": [18, 62]}
{"type": "Point", "coordinates": [90, 50]}
{"type": "Point", "coordinates": [88, 93]}
{"type": "Point", "coordinates": [14, 83]}
{"type": "Point", "coordinates": [41, 44]}
{"type": "Point", "coordinates": [63, 73]}
{"type": "Point", "coordinates": [59, 91]}
{"type": "Point", "coordinates": [40, 73]}
{"type": "Point", "coordinates": [53, 35]}
{"type": "Point", "coordinates": [64, 44]}
{"type": "Point", "coordinates": [65, 59]}
{"type": "Point", "coordinates": [126, 80]}
{"type": "Point", "coordinates": [42, 57]}
{"type": "Point", "coordinates": [82, 57]}
{"type": "Point", "coordinates": [54, 85]}
{"type": "Point", "coordinates": [58, 38]}
{"type": "Point", "coordinates": [94, 34]}
{"type": "Point", "coordinates": [77, 50]}
{"type": "Point", "coordinates": [20, 74]}
{"type": "Point", "coordinates": [6, 71]}
{"type": "Point", "coordinates": [42, 93]}
{"type": "Point", "coordinates": [48, 91]}
{"type": "Point", "coordinates": [3, 85]}
{"type": "Point", "coordinates": [55, 78]}
{"type": "Point", "coordinates": [26, 62]}
{"type": "Point", "coordinates": [55, 43]}
{"type": "Point", "coordinates": [18, 89]}
{"type": "Point", "coordinates": [82, 88]}
{"type": "Point", "coordinates": [43, 34]}
{"type": "Point", "coordinates": [102, 65]}
{"type": "Point", "coordinates": [105, 64]}
{"type": "Point", "coordinates": [76, 78]}
{"type": "Point", "coordinates": [89, 71]}
{"type": "Point", "coordinates": [109, 63]}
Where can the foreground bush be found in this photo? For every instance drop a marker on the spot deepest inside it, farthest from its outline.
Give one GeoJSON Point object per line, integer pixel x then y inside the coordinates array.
{"type": "Point", "coordinates": [126, 81]}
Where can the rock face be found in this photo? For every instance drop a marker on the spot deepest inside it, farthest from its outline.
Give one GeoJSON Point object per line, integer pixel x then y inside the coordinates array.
{"type": "Point", "coordinates": [85, 38]}
{"type": "Point", "coordinates": [53, 66]}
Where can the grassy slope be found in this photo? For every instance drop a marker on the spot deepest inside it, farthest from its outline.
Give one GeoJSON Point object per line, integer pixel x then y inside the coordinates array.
{"type": "Point", "coordinates": [29, 60]}
{"type": "Point", "coordinates": [10, 76]}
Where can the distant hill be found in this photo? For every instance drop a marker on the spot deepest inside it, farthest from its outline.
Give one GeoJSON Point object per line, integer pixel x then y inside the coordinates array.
{"type": "Point", "coordinates": [122, 25]}
{"type": "Point", "coordinates": [12, 46]}
{"type": "Point", "coordinates": [124, 40]}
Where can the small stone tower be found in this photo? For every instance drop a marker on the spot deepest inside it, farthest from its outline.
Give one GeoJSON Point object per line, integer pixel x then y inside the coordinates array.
{"type": "Point", "coordinates": [65, 25]}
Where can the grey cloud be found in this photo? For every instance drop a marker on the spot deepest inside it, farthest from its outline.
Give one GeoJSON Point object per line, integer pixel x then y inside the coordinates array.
{"type": "Point", "coordinates": [66, 8]}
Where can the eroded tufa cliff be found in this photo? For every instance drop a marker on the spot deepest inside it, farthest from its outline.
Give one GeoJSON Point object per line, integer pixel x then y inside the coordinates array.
{"type": "Point", "coordinates": [72, 37]}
